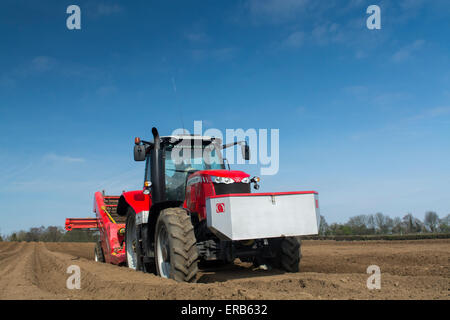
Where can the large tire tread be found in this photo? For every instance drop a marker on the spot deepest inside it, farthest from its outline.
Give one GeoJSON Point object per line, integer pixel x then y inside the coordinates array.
{"type": "Point", "coordinates": [184, 253]}
{"type": "Point", "coordinates": [288, 254]}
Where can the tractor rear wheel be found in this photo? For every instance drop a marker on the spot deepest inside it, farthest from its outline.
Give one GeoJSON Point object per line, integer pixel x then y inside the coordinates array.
{"type": "Point", "coordinates": [176, 254]}
{"type": "Point", "coordinates": [98, 253]}
{"type": "Point", "coordinates": [288, 254]}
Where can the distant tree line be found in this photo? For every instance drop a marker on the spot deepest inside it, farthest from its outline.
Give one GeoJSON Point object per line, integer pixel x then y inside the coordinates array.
{"type": "Point", "coordinates": [52, 234]}
{"type": "Point", "coordinates": [381, 224]}
{"type": "Point", "coordinates": [373, 224]}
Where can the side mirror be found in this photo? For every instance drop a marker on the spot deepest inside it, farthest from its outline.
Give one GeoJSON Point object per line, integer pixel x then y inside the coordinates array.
{"type": "Point", "coordinates": [139, 153]}
{"type": "Point", "coordinates": [245, 151]}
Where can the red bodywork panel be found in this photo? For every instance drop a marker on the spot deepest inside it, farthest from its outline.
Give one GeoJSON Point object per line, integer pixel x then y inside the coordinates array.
{"type": "Point", "coordinates": [113, 243]}
{"type": "Point", "coordinates": [200, 187]}
{"type": "Point", "coordinates": [138, 200]}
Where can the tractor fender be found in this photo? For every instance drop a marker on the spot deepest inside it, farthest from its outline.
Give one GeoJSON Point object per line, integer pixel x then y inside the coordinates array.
{"type": "Point", "coordinates": [137, 200]}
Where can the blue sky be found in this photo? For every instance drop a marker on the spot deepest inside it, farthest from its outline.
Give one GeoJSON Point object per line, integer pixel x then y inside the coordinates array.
{"type": "Point", "coordinates": [364, 115]}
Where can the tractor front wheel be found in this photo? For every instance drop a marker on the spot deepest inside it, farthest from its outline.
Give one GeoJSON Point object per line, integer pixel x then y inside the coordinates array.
{"type": "Point", "coordinates": [176, 254]}
{"type": "Point", "coordinates": [288, 254]}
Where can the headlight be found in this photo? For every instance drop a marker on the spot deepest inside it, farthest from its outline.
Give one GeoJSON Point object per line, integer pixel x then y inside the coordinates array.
{"type": "Point", "coordinates": [245, 180]}
{"type": "Point", "coordinates": [221, 180]}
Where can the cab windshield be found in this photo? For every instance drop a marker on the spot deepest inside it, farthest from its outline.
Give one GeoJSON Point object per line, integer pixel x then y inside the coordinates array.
{"type": "Point", "coordinates": [181, 160]}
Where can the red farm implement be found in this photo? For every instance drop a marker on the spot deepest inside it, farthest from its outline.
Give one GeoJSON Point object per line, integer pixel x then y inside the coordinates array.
{"type": "Point", "coordinates": [110, 248]}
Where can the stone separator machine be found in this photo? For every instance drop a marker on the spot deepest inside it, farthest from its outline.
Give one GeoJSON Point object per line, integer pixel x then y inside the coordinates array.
{"type": "Point", "coordinates": [192, 210]}
{"type": "Point", "coordinates": [110, 225]}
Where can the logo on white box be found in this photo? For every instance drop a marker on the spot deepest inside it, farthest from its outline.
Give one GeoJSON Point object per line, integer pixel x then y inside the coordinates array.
{"type": "Point", "coordinates": [220, 207]}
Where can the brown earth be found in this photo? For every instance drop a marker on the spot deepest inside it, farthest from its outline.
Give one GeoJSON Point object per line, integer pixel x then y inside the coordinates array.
{"type": "Point", "coordinates": [329, 270]}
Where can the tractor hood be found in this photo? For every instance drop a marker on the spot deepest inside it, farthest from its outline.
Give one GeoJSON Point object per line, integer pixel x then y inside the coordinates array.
{"type": "Point", "coordinates": [223, 181]}
{"type": "Point", "coordinates": [237, 176]}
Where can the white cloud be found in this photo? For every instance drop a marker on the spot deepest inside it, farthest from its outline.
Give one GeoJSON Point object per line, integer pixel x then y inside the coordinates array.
{"type": "Point", "coordinates": [334, 22]}
{"type": "Point", "coordinates": [360, 54]}
{"type": "Point", "coordinates": [174, 85]}
{"type": "Point", "coordinates": [12, 172]}
{"type": "Point", "coordinates": [51, 157]}
{"type": "Point", "coordinates": [40, 66]}
{"type": "Point", "coordinates": [36, 66]}
{"type": "Point", "coordinates": [439, 111]}
{"type": "Point", "coordinates": [7, 81]}
{"type": "Point", "coordinates": [220, 54]}
{"type": "Point", "coordinates": [108, 9]}
{"type": "Point", "coordinates": [326, 33]}
{"type": "Point", "coordinates": [357, 91]}
{"type": "Point", "coordinates": [374, 98]}
{"type": "Point", "coordinates": [106, 91]}
{"type": "Point", "coordinates": [224, 53]}
{"type": "Point", "coordinates": [103, 9]}
{"type": "Point", "coordinates": [42, 63]}
{"type": "Point", "coordinates": [407, 52]}
{"type": "Point", "coordinates": [411, 4]}
{"type": "Point", "coordinates": [390, 98]}
{"type": "Point", "coordinates": [196, 36]}
{"type": "Point", "coordinates": [409, 9]}
{"type": "Point", "coordinates": [432, 113]}
{"type": "Point", "coordinates": [301, 110]}
{"type": "Point", "coordinates": [295, 39]}
{"type": "Point", "coordinates": [276, 10]}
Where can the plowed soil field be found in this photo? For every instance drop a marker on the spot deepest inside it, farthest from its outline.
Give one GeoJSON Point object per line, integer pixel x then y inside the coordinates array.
{"type": "Point", "coordinates": [329, 270]}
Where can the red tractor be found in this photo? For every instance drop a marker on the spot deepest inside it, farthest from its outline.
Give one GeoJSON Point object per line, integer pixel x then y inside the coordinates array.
{"type": "Point", "coordinates": [193, 210]}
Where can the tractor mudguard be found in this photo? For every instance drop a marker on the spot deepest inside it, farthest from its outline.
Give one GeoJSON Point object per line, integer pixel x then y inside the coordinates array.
{"type": "Point", "coordinates": [137, 200]}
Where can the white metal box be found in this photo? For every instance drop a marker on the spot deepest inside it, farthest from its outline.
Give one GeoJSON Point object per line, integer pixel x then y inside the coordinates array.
{"type": "Point", "coordinates": [263, 215]}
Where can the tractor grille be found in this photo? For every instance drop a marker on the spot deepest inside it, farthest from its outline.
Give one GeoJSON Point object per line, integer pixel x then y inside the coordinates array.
{"type": "Point", "coordinates": [111, 205]}
{"type": "Point", "coordinates": [237, 187]}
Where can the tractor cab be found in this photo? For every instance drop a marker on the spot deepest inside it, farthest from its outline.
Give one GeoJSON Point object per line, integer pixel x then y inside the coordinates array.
{"type": "Point", "coordinates": [171, 160]}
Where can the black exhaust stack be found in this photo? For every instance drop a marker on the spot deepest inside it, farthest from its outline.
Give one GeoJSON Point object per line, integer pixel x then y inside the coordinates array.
{"type": "Point", "coordinates": [157, 172]}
